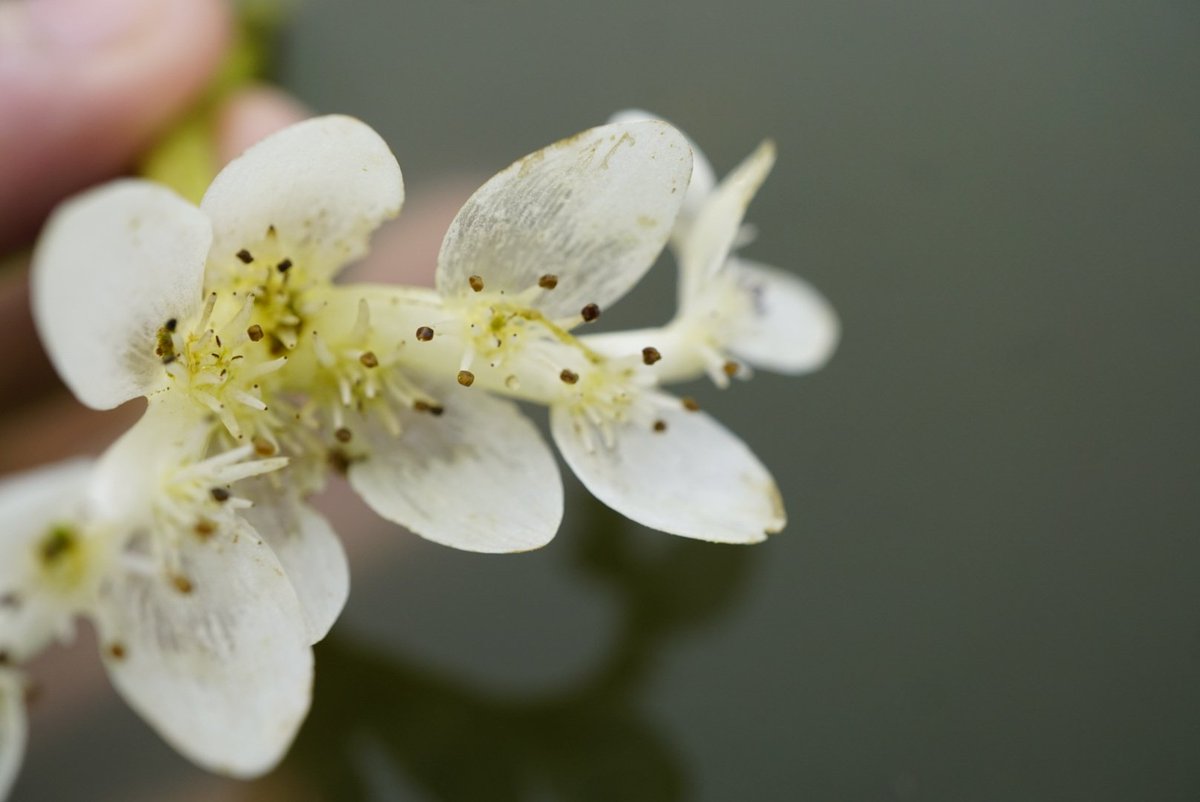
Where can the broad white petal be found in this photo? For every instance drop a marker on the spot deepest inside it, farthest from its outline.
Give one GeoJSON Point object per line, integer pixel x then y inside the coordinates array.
{"type": "Point", "coordinates": [694, 479]}
{"type": "Point", "coordinates": [309, 551]}
{"type": "Point", "coordinates": [708, 243]}
{"type": "Point", "coordinates": [320, 186]}
{"type": "Point", "coordinates": [223, 672]}
{"type": "Point", "coordinates": [31, 505]}
{"type": "Point", "coordinates": [112, 267]}
{"type": "Point", "coordinates": [593, 210]}
{"type": "Point", "coordinates": [703, 178]}
{"type": "Point", "coordinates": [12, 729]}
{"type": "Point", "coordinates": [478, 477]}
{"type": "Point", "coordinates": [788, 326]}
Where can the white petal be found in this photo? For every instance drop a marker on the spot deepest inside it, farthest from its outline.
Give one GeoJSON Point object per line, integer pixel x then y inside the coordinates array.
{"type": "Point", "coordinates": [593, 210]}
{"type": "Point", "coordinates": [478, 477]}
{"type": "Point", "coordinates": [703, 178]}
{"type": "Point", "coordinates": [694, 479]}
{"type": "Point", "coordinates": [706, 247]}
{"type": "Point", "coordinates": [111, 268]}
{"type": "Point", "coordinates": [31, 504]}
{"type": "Point", "coordinates": [309, 551]}
{"type": "Point", "coordinates": [322, 186]}
{"type": "Point", "coordinates": [12, 729]}
{"type": "Point", "coordinates": [223, 673]}
{"type": "Point", "coordinates": [789, 326]}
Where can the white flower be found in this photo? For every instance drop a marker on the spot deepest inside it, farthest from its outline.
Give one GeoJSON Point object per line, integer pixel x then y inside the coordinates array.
{"type": "Point", "coordinates": [201, 630]}
{"type": "Point", "coordinates": [541, 248]}
{"type": "Point", "coordinates": [733, 313]}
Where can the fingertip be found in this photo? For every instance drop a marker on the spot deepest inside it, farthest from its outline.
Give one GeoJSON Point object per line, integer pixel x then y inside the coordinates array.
{"type": "Point", "coordinates": [80, 105]}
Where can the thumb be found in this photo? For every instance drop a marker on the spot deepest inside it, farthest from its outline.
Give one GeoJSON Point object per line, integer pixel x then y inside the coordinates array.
{"type": "Point", "coordinates": [84, 84]}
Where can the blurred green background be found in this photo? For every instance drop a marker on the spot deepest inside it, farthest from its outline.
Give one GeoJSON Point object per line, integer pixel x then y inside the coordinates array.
{"type": "Point", "coordinates": [988, 588]}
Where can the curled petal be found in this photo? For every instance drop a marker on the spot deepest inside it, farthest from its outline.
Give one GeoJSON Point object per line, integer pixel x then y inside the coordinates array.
{"type": "Point", "coordinates": [217, 658]}
{"type": "Point", "coordinates": [703, 178]}
{"type": "Point", "coordinates": [788, 326]}
{"type": "Point", "coordinates": [12, 729]}
{"type": "Point", "coordinates": [309, 551]}
{"type": "Point", "coordinates": [684, 474]}
{"type": "Point", "coordinates": [112, 268]}
{"type": "Point", "coordinates": [477, 477]}
{"type": "Point", "coordinates": [593, 211]}
{"type": "Point", "coordinates": [311, 193]}
{"type": "Point", "coordinates": [711, 237]}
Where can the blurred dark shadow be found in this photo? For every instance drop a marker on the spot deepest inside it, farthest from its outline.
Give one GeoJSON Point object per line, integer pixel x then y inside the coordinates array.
{"type": "Point", "coordinates": [588, 741]}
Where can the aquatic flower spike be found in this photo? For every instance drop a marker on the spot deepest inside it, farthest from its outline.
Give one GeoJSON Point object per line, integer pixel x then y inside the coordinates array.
{"type": "Point", "coordinates": [191, 543]}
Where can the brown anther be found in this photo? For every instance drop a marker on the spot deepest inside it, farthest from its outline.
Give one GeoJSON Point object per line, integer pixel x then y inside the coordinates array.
{"type": "Point", "coordinates": [660, 426]}
{"type": "Point", "coordinates": [589, 313]}
{"type": "Point", "coordinates": [369, 359]}
{"type": "Point", "coordinates": [548, 281]}
{"type": "Point", "coordinates": [689, 404]}
{"type": "Point", "coordinates": [5, 659]}
{"type": "Point", "coordinates": [219, 494]}
{"type": "Point", "coordinates": [182, 583]}
{"type": "Point", "coordinates": [568, 376]}
{"type": "Point", "coordinates": [271, 231]}
{"type": "Point", "coordinates": [10, 600]}
{"type": "Point", "coordinates": [466, 378]}
{"type": "Point", "coordinates": [255, 333]}
{"type": "Point", "coordinates": [204, 529]}
{"type": "Point", "coordinates": [476, 283]}
{"type": "Point", "coordinates": [425, 406]}
{"type": "Point", "coordinates": [730, 368]}
{"type": "Point", "coordinates": [343, 435]}
{"type": "Point", "coordinates": [284, 266]}
{"type": "Point", "coordinates": [262, 446]}
{"type": "Point", "coordinates": [171, 324]}
{"type": "Point", "coordinates": [116, 650]}
{"type": "Point", "coordinates": [424, 334]}
{"type": "Point", "coordinates": [245, 256]}
{"type": "Point", "coordinates": [650, 355]}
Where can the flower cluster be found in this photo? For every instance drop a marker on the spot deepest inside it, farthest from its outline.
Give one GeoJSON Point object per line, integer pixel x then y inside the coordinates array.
{"type": "Point", "coordinates": [191, 545]}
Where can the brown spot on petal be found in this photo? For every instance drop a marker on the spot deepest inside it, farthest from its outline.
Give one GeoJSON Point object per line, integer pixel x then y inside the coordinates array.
{"type": "Point", "coordinates": [589, 313]}
{"type": "Point", "coordinates": [182, 584]}
{"type": "Point", "coordinates": [650, 355]}
{"type": "Point", "coordinates": [116, 650]}
{"type": "Point", "coordinates": [476, 283]}
{"type": "Point", "coordinates": [466, 378]}
{"type": "Point", "coordinates": [204, 529]}
{"type": "Point", "coordinates": [343, 435]}
{"type": "Point", "coordinates": [660, 426]}
{"type": "Point", "coordinates": [424, 334]}
{"type": "Point", "coordinates": [245, 256]}
{"type": "Point", "coordinates": [369, 359]}
{"type": "Point", "coordinates": [255, 332]}
{"type": "Point", "coordinates": [568, 376]}
{"type": "Point", "coordinates": [548, 281]}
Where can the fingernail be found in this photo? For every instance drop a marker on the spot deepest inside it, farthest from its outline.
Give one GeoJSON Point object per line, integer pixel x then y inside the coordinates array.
{"type": "Point", "coordinates": [89, 24]}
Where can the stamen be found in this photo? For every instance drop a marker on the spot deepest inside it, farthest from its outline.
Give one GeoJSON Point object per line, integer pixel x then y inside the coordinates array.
{"type": "Point", "coordinates": [589, 313]}
{"type": "Point", "coordinates": [466, 378]}
{"type": "Point", "coordinates": [424, 334]}
{"type": "Point", "coordinates": [548, 281]}
{"type": "Point", "coordinates": [568, 376]}
{"type": "Point", "coordinates": [650, 355]}
{"type": "Point", "coordinates": [690, 404]}
{"type": "Point", "coordinates": [255, 333]}
{"type": "Point", "coordinates": [660, 426]}
{"type": "Point", "coordinates": [245, 256]}
{"type": "Point", "coordinates": [476, 283]}
{"type": "Point", "coordinates": [369, 359]}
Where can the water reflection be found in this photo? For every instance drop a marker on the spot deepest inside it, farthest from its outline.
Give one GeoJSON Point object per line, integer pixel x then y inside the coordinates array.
{"type": "Point", "coordinates": [457, 742]}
